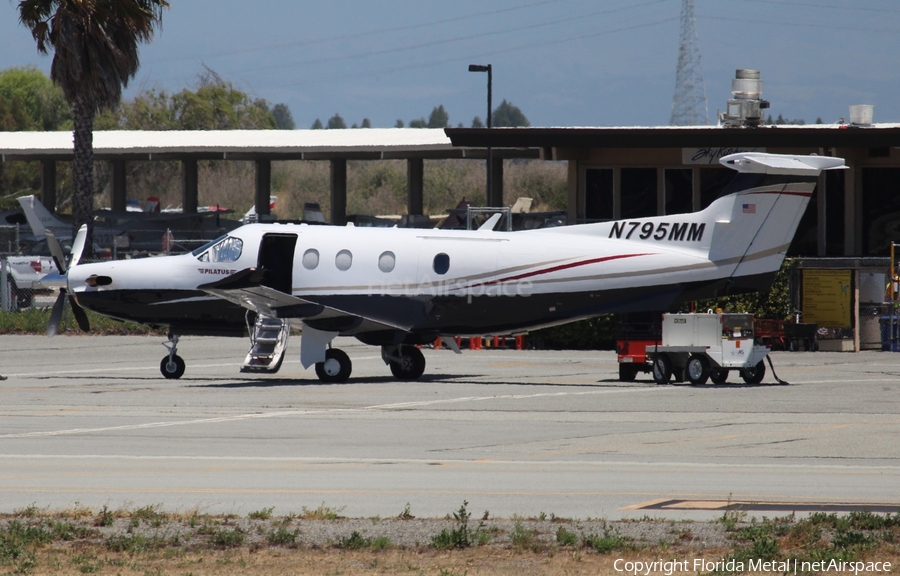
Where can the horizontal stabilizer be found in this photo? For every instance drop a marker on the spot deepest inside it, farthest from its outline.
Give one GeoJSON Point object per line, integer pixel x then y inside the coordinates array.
{"type": "Point", "coordinates": [762, 163]}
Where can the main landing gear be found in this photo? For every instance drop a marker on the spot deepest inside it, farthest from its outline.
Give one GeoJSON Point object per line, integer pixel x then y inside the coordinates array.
{"type": "Point", "coordinates": [172, 366]}
{"type": "Point", "coordinates": [406, 362]}
{"type": "Point", "coordinates": [336, 367]}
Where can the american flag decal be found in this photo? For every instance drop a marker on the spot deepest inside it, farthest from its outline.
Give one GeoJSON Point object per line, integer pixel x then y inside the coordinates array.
{"type": "Point", "coordinates": [748, 208]}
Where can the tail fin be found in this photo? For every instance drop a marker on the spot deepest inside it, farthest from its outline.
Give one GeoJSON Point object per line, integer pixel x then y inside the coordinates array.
{"type": "Point", "coordinates": [756, 224]}
{"type": "Point", "coordinates": [40, 219]}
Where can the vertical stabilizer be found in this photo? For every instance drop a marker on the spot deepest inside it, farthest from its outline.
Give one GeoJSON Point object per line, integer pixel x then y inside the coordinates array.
{"type": "Point", "coordinates": [40, 219]}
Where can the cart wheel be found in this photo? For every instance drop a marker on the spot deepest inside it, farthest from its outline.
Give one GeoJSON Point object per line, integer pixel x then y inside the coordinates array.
{"type": "Point", "coordinates": [754, 375]}
{"type": "Point", "coordinates": [662, 369]}
{"type": "Point", "coordinates": [627, 372]}
{"type": "Point", "coordinates": [697, 369]}
{"type": "Point", "coordinates": [718, 376]}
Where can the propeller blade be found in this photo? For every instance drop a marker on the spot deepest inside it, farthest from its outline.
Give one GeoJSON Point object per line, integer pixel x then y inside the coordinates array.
{"type": "Point", "coordinates": [78, 245]}
{"type": "Point", "coordinates": [56, 251]}
{"type": "Point", "coordinates": [80, 316]}
{"type": "Point", "coordinates": [56, 314]}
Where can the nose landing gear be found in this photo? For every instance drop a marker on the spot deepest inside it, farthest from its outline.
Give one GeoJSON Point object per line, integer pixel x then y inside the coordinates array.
{"type": "Point", "coordinates": [172, 366]}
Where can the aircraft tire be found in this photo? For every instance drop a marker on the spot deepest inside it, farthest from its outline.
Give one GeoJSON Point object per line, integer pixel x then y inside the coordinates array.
{"type": "Point", "coordinates": [172, 370]}
{"type": "Point", "coordinates": [697, 369]}
{"type": "Point", "coordinates": [411, 366]}
{"type": "Point", "coordinates": [718, 376]}
{"type": "Point", "coordinates": [329, 371]}
{"type": "Point", "coordinates": [754, 375]}
{"type": "Point", "coordinates": [662, 369]}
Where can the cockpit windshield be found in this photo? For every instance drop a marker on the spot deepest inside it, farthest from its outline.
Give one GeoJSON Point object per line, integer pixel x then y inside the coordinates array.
{"type": "Point", "coordinates": [224, 249]}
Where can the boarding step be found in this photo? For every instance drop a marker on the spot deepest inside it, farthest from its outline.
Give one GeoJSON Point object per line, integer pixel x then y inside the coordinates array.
{"type": "Point", "coordinates": [267, 345]}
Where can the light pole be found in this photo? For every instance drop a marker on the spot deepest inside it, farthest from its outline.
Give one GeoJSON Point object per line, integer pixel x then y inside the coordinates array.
{"type": "Point", "coordinates": [490, 154]}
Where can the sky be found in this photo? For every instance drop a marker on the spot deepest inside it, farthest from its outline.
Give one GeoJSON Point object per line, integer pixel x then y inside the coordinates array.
{"type": "Point", "coordinates": [562, 62]}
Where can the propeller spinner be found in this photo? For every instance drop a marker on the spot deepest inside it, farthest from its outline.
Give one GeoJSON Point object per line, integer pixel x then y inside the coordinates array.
{"type": "Point", "coordinates": [60, 259]}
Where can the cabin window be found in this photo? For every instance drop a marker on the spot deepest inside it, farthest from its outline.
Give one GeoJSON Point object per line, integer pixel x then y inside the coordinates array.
{"type": "Point", "coordinates": [343, 260]}
{"type": "Point", "coordinates": [441, 263]}
{"type": "Point", "coordinates": [386, 262]}
{"type": "Point", "coordinates": [310, 259]}
{"type": "Point", "coordinates": [228, 250]}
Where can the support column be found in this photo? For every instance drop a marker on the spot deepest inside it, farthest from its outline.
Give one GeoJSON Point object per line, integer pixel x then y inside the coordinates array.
{"type": "Point", "coordinates": [850, 245]}
{"type": "Point", "coordinates": [496, 199]}
{"type": "Point", "coordinates": [189, 187]}
{"type": "Point", "coordinates": [415, 187]}
{"type": "Point", "coordinates": [263, 186]}
{"type": "Point", "coordinates": [119, 194]}
{"type": "Point", "coordinates": [48, 184]}
{"type": "Point", "coordinates": [339, 191]}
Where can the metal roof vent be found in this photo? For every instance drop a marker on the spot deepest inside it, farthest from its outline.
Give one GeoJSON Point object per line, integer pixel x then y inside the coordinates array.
{"type": "Point", "coordinates": [746, 106]}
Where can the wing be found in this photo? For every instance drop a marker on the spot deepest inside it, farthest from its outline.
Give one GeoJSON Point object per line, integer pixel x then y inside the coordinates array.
{"type": "Point", "coordinates": [245, 289]}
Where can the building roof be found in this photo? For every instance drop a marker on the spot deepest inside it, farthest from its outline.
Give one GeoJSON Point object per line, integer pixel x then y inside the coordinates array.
{"type": "Point", "coordinates": [368, 143]}
{"type": "Point", "coordinates": [780, 136]}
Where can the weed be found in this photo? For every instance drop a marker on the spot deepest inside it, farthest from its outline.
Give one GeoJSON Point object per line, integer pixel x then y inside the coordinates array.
{"type": "Point", "coordinates": [105, 517]}
{"type": "Point", "coordinates": [262, 514]}
{"type": "Point", "coordinates": [380, 543]}
{"type": "Point", "coordinates": [134, 543]}
{"type": "Point", "coordinates": [225, 538]}
{"type": "Point", "coordinates": [321, 513]}
{"type": "Point", "coordinates": [610, 541]}
{"type": "Point", "coordinates": [565, 537]}
{"type": "Point", "coordinates": [355, 541]}
{"type": "Point", "coordinates": [282, 537]}
{"type": "Point", "coordinates": [462, 536]}
{"type": "Point", "coordinates": [521, 538]}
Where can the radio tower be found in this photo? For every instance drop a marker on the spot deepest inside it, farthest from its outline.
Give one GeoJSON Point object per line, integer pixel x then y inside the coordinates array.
{"type": "Point", "coordinates": [689, 104]}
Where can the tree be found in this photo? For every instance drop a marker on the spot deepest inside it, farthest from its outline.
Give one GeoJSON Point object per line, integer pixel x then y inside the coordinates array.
{"type": "Point", "coordinates": [95, 54]}
{"type": "Point", "coordinates": [317, 125]}
{"type": "Point", "coordinates": [418, 123]}
{"type": "Point", "coordinates": [283, 118]}
{"type": "Point", "coordinates": [477, 123]}
{"type": "Point", "coordinates": [336, 122]}
{"type": "Point", "coordinates": [366, 123]}
{"type": "Point", "coordinates": [214, 105]}
{"type": "Point", "coordinates": [508, 116]}
{"type": "Point", "coordinates": [398, 123]}
{"type": "Point", "coordinates": [38, 104]}
{"type": "Point", "coordinates": [438, 118]}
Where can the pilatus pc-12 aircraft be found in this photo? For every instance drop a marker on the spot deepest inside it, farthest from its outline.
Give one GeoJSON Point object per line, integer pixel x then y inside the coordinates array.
{"type": "Point", "coordinates": [396, 288]}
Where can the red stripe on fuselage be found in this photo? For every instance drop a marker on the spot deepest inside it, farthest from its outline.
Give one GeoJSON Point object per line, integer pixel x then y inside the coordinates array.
{"type": "Point", "coordinates": [563, 267]}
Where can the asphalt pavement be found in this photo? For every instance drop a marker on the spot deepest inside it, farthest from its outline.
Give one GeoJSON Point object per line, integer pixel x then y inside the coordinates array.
{"type": "Point", "coordinates": [89, 421]}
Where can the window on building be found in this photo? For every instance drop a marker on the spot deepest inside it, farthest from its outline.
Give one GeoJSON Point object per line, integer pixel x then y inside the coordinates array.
{"type": "Point", "coordinates": [679, 184]}
{"type": "Point", "coordinates": [638, 192]}
{"type": "Point", "coordinates": [712, 182]}
{"type": "Point", "coordinates": [598, 194]}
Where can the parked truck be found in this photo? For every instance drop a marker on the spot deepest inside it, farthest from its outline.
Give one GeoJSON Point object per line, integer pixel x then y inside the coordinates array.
{"type": "Point", "coordinates": [701, 347]}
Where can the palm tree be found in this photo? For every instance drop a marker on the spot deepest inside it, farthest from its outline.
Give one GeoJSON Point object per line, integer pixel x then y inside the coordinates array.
{"type": "Point", "coordinates": [94, 44]}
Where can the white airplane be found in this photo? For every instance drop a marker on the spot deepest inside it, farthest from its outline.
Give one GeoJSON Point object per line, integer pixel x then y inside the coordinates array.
{"type": "Point", "coordinates": [396, 288]}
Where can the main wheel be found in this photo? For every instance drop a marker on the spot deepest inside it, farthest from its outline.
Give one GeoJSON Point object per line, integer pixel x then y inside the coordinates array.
{"type": "Point", "coordinates": [335, 368]}
{"type": "Point", "coordinates": [697, 369]}
{"type": "Point", "coordinates": [627, 372]}
{"type": "Point", "coordinates": [718, 376]}
{"type": "Point", "coordinates": [662, 369]}
{"type": "Point", "coordinates": [754, 375]}
{"type": "Point", "coordinates": [411, 365]}
{"type": "Point", "coordinates": [172, 369]}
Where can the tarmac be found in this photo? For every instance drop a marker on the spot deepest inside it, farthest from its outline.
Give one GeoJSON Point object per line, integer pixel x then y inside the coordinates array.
{"type": "Point", "coordinates": [88, 421]}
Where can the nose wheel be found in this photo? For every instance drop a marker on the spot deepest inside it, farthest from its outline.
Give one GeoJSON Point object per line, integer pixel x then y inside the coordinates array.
{"type": "Point", "coordinates": [172, 366]}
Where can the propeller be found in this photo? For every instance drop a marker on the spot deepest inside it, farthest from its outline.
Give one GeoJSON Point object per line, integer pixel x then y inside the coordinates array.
{"type": "Point", "coordinates": [60, 259]}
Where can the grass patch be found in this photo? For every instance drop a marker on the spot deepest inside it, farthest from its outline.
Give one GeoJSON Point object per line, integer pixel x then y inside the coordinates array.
{"type": "Point", "coordinates": [323, 512]}
{"type": "Point", "coordinates": [462, 536]}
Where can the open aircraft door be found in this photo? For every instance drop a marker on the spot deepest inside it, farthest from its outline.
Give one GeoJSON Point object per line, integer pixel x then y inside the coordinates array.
{"type": "Point", "coordinates": [276, 257]}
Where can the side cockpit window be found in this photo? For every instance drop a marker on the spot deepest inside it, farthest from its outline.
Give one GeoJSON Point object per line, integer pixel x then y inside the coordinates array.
{"type": "Point", "coordinates": [226, 249]}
